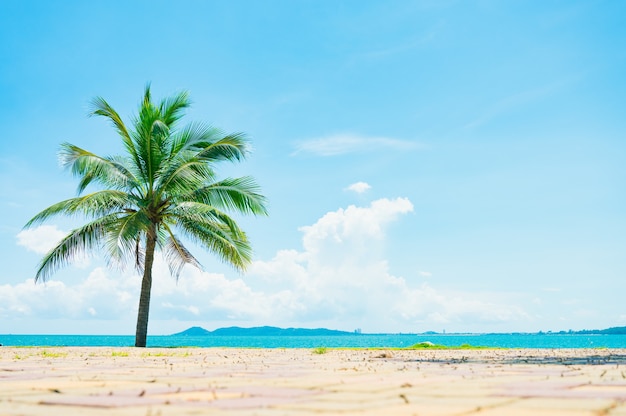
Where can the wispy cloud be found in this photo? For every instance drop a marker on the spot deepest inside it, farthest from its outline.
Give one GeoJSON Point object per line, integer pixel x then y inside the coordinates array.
{"type": "Point", "coordinates": [516, 100]}
{"type": "Point", "coordinates": [340, 144]}
{"type": "Point", "coordinates": [359, 187]}
{"type": "Point", "coordinates": [404, 46]}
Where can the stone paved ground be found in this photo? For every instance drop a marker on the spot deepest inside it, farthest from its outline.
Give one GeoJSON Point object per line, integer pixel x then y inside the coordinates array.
{"type": "Point", "coordinates": [216, 381]}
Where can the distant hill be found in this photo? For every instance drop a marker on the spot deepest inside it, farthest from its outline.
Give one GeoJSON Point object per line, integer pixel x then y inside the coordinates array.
{"type": "Point", "coordinates": [616, 330]}
{"type": "Point", "coordinates": [196, 331]}
{"type": "Point", "coordinates": [260, 331]}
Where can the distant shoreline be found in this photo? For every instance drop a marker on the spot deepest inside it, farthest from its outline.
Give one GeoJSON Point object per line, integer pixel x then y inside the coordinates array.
{"type": "Point", "coordinates": [271, 330]}
{"type": "Point", "coordinates": [349, 340]}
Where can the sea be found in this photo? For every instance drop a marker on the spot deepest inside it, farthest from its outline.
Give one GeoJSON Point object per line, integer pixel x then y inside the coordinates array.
{"type": "Point", "coordinates": [541, 340]}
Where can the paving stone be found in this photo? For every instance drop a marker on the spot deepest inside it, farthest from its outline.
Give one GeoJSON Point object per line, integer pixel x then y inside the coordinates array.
{"type": "Point", "coordinates": [271, 382]}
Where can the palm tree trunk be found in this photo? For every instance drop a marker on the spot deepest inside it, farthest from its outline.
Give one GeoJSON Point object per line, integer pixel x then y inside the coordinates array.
{"type": "Point", "coordinates": [146, 285]}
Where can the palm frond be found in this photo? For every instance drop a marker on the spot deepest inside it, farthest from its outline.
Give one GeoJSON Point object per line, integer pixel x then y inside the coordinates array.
{"type": "Point", "coordinates": [148, 139]}
{"type": "Point", "coordinates": [218, 239]}
{"type": "Point", "coordinates": [146, 95]}
{"type": "Point", "coordinates": [172, 108]}
{"type": "Point", "coordinates": [232, 147]}
{"type": "Point", "coordinates": [120, 239]}
{"type": "Point", "coordinates": [139, 255]}
{"type": "Point", "coordinates": [204, 214]}
{"type": "Point", "coordinates": [77, 242]}
{"type": "Point", "coordinates": [92, 205]}
{"type": "Point", "coordinates": [240, 194]}
{"type": "Point", "coordinates": [177, 256]}
{"type": "Point", "coordinates": [184, 176]}
{"type": "Point", "coordinates": [194, 136]}
{"type": "Point", "coordinates": [91, 167]}
{"type": "Point", "coordinates": [101, 108]}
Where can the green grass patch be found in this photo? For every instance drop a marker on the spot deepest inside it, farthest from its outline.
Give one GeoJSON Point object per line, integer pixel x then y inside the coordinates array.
{"type": "Point", "coordinates": [119, 354]}
{"type": "Point", "coordinates": [430, 346]}
{"type": "Point", "coordinates": [320, 350]}
{"type": "Point", "coordinates": [48, 354]}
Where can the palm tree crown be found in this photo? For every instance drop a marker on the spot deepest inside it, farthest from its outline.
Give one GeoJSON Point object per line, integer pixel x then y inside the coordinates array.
{"type": "Point", "coordinates": [164, 182]}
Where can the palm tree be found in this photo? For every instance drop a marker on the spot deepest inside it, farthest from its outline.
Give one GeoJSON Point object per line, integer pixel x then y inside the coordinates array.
{"type": "Point", "coordinates": [164, 182]}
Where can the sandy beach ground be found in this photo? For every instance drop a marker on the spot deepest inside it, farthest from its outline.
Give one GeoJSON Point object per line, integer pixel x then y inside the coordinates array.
{"type": "Point", "coordinates": [225, 381]}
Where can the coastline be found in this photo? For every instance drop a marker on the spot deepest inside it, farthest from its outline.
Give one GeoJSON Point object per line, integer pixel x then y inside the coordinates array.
{"type": "Point", "coordinates": [548, 341]}
{"type": "Point", "coordinates": [237, 381]}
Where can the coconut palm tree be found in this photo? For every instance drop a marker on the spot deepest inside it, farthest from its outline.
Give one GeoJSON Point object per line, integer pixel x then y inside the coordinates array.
{"type": "Point", "coordinates": [165, 182]}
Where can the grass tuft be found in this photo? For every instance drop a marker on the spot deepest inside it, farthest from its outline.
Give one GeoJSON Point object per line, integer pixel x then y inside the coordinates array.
{"type": "Point", "coordinates": [48, 354]}
{"type": "Point", "coordinates": [430, 346]}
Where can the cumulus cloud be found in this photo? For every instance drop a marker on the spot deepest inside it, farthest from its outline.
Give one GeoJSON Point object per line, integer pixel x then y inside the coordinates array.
{"type": "Point", "coordinates": [340, 277]}
{"type": "Point", "coordinates": [98, 294]}
{"type": "Point", "coordinates": [40, 239]}
{"type": "Point", "coordinates": [359, 187]}
{"type": "Point", "coordinates": [339, 144]}
{"type": "Point", "coordinates": [43, 238]}
{"type": "Point", "coordinates": [356, 229]}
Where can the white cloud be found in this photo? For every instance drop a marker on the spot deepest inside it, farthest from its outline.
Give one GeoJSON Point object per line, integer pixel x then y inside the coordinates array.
{"type": "Point", "coordinates": [424, 273]}
{"type": "Point", "coordinates": [339, 278]}
{"type": "Point", "coordinates": [40, 239]}
{"type": "Point", "coordinates": [339, 144]}
{"type": "Point", "coordinates": [355, 228]}
{"type": "Point", "coordinates": [43, 238]}
{"type": "Point", "coordinates": [55, 299]}
{"type": "Point", "coordinates": [343, 276]}
{"type": "Point", "coordinates": [359, 187]}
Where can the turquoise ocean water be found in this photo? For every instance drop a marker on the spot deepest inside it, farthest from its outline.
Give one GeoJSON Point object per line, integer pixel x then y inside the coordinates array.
{"type": "Point", "coordinates": [347, 341]}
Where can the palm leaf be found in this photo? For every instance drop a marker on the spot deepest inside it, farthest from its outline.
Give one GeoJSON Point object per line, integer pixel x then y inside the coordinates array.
{"type": "Point", "coordinates": [193, 137]}
{"type": "Point", "coordinates": [204, 214]}
{"type": "Point", "coordinates": [77, 242]}
{"type": "Point", "coordinates": [101, 108]}
{"type": "Point", "coordinates": [184, 176]}
{"type": "Point", "coordinates": [120, 239]}
{"type": "Point", "coordinates": [177, 256]}
{"type": "Point", "coordinates": [233, 147]}
{"type": "Point", "coordinates": [240, 194]}
{"type": "Point", "coordinates": [92, 205]}
{"type": "Point", "coordinates": [90, 167]}
{"type": "Point", "coordinates": [171, 108]}
{"type": "Point", "coordinates": [218, 239]}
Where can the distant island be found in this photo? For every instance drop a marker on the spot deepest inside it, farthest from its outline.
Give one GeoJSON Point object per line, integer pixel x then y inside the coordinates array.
{"type": "Point", "coordinates": [616, 330]}
{"type": "Point", "coordinates": [196, 331]}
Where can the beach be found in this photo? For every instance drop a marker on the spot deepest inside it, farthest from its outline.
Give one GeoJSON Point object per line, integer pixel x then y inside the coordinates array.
{"type": "Point", "coordinates": [236, 381]}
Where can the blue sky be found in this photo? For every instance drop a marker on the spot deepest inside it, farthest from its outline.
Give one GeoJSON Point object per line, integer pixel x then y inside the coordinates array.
{"type": "Point", "coordinates": [430, 165]}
